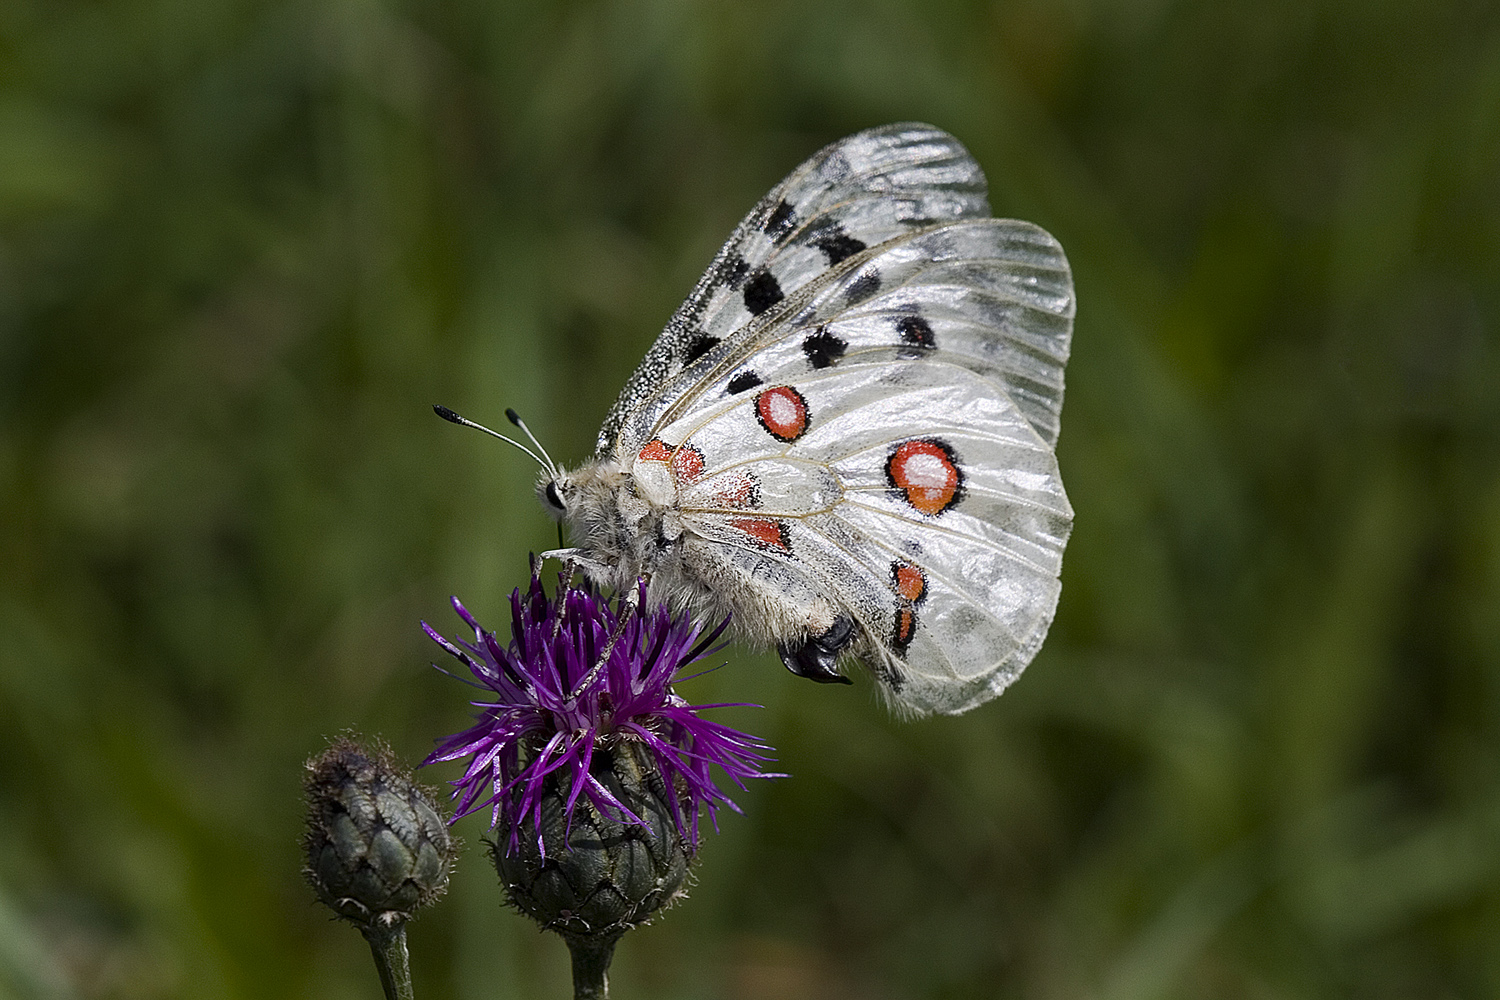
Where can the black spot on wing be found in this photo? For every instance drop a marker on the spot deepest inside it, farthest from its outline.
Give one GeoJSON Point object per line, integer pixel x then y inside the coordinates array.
{"type": "Point", "coordinates": [823, 348]}
{"type": "Point", "coordinates": [743, 381]}
{"type": "Point", "coordinates": [700, 345]}
{"type": "Point", "coordinates": [863, 287]}
{"type": "Point", "coordinates": [915, 332]}
{"type": "Point", "coordinates": [779, 223]}
{"type": "Point", "coordinates": [761, 291]}
{"type": "Point", "coordinates": [838, 246]}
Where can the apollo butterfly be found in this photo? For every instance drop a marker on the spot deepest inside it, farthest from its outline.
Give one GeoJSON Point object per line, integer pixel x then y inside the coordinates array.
{"type": "Point", "coordinates": [844, 437]}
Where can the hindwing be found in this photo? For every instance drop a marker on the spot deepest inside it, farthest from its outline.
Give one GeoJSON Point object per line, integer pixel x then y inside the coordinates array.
{"type": "Point", "coordinates": [916, 493]}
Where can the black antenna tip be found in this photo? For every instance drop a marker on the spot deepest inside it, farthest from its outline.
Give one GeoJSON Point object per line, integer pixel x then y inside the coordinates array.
{"type": "Point", "coordinates": [447, 414]}
{"type": "Point", "coordinates": [513, 417]}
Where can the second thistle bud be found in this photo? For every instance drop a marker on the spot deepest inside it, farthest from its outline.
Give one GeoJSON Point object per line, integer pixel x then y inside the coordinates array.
{"type": "Point", "coordinates": [377, 850]}
{"type": "Point", "coordinates": [590, 875]}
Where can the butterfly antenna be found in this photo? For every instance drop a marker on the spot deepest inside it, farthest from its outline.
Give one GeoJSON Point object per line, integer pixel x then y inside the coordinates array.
{"type": "Point", "coordinates": [515, 418]}
{"type": "Point", "coordinates": [454, 418]}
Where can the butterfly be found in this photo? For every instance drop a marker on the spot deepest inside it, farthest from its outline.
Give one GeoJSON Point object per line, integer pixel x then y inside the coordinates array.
{"type": "Point", "coordinates": [844, 438]}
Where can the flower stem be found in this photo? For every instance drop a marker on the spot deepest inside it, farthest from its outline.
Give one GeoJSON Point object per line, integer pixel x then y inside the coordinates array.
{"type": "Point", "coordinates": [591, 958]}
{"type": "Point", "coordinates": [388, 945]}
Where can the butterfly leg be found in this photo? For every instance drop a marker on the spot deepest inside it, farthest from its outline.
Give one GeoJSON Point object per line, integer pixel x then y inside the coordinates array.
{"type": "Point", "coordinates": [817, 658]}
{"type": "Point", "coordinates": [574, 560]}
{"type": "Point", "coordinates": [598, 573]}
{"type": "Point", "coordinates": [630, 603]}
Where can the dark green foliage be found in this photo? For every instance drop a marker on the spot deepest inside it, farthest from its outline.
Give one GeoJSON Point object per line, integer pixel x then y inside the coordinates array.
{"type": "Point", "coordinates": [244, 246]}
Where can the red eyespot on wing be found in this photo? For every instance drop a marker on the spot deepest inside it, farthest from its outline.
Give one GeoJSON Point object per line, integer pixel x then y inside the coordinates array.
{"type": "Point", "coordinates": [782, 411]}
{"type": "Point", "coordinates": [685, 460]}
{"type": "Point", "coordinates": [655, 450]}
{"type": "Point", "coordinates": [926, 472]}
{"type": "Point", "coordinates": [687, 463]}
{"type": "Point", "coordinates": [767, 533]}
{"type": "Point", "coordinates": [906, 628]}
{"type": "Point", "coordinates": [911, 585]}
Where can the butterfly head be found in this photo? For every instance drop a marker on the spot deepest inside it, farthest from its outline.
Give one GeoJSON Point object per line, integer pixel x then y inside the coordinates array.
{"type": "Point", "coordinates": [587, 499]}
{"type": "Point", "coordinates": [609, 523]}
{"type": "Point", "coordinates": [554, 491]}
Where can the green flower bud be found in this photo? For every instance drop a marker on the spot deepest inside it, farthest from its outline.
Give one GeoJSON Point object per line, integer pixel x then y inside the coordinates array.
{"type": "Point", "coordinates": [602, 877]}
{"type": "Point", "coordinates": [377, 849]}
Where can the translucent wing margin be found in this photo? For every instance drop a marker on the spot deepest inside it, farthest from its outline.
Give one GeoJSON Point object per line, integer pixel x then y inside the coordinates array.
{"type": "Point", "coordinates": [854, 194]}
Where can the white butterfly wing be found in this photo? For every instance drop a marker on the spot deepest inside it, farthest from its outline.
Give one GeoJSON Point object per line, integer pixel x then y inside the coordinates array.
{"type": "Point", "coordinates": [851, 195]}
{"type": "Point", "coordinates": [881, 429]}
{"type": "Point", "coordinates": [993, 295]}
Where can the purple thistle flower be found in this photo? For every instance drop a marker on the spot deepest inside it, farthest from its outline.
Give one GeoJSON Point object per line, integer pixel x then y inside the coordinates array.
{"type": "Point", "coordinates": [554, 704]}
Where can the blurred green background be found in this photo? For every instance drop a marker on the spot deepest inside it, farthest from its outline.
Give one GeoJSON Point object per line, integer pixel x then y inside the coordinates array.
{"type": "Point", "coordinates": [244, 245]}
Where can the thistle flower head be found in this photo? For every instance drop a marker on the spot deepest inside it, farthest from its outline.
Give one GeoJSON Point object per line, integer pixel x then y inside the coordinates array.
{"type": "Point", "coordinates": [377, 850]}
{"type": "Point", "coordinates": [551, 705]}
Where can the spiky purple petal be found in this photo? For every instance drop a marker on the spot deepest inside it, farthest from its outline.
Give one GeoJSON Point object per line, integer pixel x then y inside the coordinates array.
{"type": "Point", "coordinates": [553, 703]}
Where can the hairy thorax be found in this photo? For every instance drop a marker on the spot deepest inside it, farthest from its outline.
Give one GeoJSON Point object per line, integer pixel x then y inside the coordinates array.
{"type": "Point", "coordinates": [628, 525]}
{"type": "Point", "coordinates": [623, 526]}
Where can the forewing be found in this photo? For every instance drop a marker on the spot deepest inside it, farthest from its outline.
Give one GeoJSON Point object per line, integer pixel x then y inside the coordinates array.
{"type": "Point", "coordinates": [994, 296]}
{"type": "Point", "coordinates": [857, 193]}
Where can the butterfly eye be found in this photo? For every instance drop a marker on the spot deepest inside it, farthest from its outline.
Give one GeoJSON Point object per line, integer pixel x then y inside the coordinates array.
{"type": "Point", "coordinates": [552, 497]}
